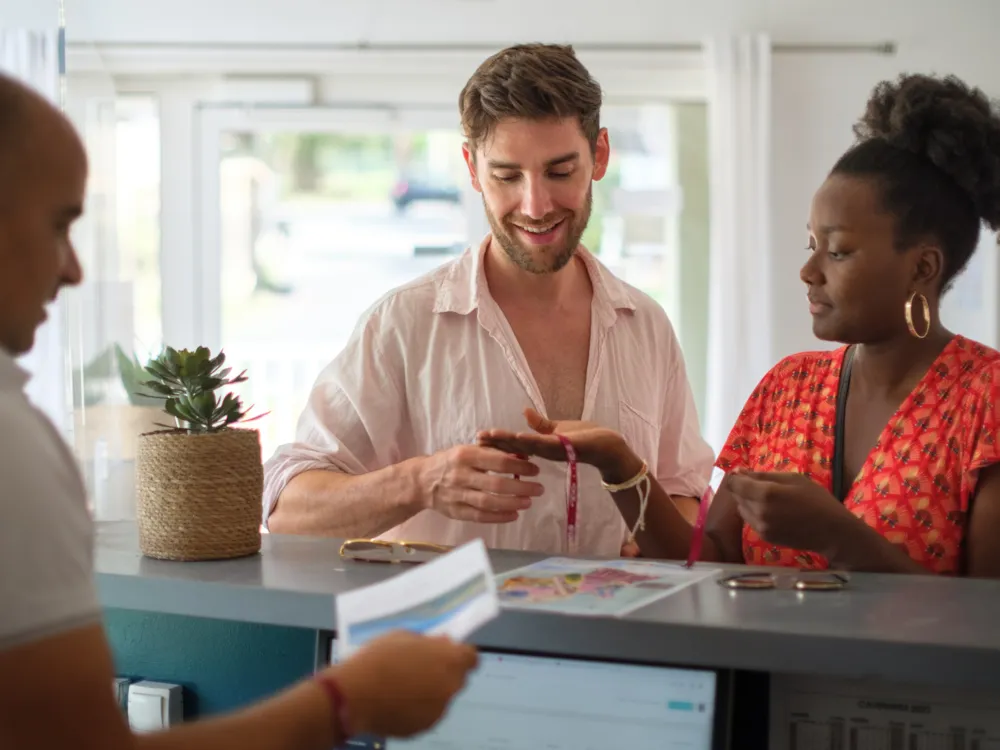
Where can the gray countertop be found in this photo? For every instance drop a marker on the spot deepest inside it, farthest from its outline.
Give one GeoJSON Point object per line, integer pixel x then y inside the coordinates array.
{"type": "Point", "coordinates": [917, 629]}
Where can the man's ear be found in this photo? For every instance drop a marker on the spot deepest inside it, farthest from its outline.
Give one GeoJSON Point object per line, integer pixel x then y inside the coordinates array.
{"type": "Point", "coordinates": [602, 154]}
{"type": "Point", "coordinates": [470, 161]}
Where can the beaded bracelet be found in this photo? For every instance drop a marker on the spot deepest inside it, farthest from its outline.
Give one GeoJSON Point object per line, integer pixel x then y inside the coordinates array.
{"type": "Point", "coordinates": [642, 481]}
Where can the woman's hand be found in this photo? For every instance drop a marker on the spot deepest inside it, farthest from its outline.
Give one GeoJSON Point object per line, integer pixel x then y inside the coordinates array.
{"type": "Point", "coordinates": [790, 509]}
{"type": "Point", "coordinates": [597, 446]}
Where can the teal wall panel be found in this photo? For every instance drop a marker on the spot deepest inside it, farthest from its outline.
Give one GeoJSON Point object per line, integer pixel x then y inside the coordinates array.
{"type": "Point", "coordinates": [221, 664]}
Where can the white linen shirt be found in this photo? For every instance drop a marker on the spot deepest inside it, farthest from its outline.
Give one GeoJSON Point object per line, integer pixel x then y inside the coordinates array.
{"type": "Point", "coordinates": [435, 361]}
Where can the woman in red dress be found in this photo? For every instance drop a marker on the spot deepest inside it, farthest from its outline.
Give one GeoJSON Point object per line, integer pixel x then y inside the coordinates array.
{"type": "Point", "coordinates": [915, 483]}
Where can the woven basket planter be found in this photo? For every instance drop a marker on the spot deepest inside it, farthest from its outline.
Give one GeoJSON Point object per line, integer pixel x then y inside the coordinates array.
{"type": "Point", "coordinates": [198, 495]}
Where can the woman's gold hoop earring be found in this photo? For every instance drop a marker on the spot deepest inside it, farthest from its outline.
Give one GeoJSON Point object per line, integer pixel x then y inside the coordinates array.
{"type": "Point", "coordinates": [909, 315]}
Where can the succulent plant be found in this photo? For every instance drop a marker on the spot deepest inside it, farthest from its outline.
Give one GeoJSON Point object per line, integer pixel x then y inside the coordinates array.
{"type": "Point", "coordinates": [187, 382]}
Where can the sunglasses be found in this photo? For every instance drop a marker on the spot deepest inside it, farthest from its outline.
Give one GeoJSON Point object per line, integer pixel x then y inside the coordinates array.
{"type": "Point", "coordinates": [376, 550]}
{"type": "Point", "coordinates": [796, 581]}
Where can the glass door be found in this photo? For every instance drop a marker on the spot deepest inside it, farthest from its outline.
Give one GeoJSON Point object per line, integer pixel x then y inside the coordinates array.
{"type": "Point", "coordinates": [317, 214]}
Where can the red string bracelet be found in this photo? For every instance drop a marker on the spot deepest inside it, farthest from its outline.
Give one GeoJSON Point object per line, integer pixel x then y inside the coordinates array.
{"type": "Point", "coordinates": [338, 705]}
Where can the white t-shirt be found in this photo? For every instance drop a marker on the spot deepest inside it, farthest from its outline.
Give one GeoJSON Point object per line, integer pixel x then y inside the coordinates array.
{"type": "Point", "coordinates": [46, 535]}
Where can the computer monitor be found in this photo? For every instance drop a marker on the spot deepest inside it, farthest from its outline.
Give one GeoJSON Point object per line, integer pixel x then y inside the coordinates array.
{"type": "Point", "coordinates": [531, 702]}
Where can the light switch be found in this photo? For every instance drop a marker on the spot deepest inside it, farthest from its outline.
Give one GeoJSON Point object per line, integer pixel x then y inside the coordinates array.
{"type": "Point", "coordinates": [146, 712]}
{"type": "Point", "coordinates": [154, 705]}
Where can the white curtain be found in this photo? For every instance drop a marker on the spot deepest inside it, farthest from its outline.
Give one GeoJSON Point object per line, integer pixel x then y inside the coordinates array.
{"type": "Point", "coordinates": [739, 329]}
{"type": "Point", "coordinates": [33, 57]}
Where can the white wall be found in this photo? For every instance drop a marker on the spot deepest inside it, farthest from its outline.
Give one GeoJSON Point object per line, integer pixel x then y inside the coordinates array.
{"type": "Point", "coordinates": [817, 95]}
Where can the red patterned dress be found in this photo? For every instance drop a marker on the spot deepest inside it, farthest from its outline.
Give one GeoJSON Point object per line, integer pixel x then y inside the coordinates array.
{"type": "Point", "coordinates": [916, 485]}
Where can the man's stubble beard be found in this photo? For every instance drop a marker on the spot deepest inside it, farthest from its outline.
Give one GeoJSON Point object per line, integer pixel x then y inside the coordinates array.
{"type": "Point", "coordinates": [527, 258]}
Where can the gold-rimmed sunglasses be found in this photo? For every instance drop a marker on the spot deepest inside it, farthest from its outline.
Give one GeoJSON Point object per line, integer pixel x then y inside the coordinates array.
{"type": "Point", "coordinates": [377, 550]}
{"type": "Point", "coordinates": [797, 581]}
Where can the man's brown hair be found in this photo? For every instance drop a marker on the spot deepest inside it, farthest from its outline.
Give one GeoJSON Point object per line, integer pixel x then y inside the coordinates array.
{"type": "Point", "coordinates": [534, 82]}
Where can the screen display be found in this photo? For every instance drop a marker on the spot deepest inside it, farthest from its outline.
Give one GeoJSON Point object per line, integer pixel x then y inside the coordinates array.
{"type": "Point", "coordinates": [542, 703]}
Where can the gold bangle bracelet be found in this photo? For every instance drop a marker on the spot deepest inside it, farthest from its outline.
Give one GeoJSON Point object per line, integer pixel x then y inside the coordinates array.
{"type": "Point", "coordinates": [628, 484]}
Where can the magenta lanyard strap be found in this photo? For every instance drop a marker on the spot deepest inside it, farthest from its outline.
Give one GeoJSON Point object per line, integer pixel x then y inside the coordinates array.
{"type": "Point", "coordinates": [572, 500]}
{"type": "Point", "coordinates": [694, 553]}
{"type": "Point", "coordinates": [572, 491]}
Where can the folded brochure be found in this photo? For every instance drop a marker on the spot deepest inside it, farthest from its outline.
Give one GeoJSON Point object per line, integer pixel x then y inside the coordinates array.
{"type": "Point", "coordinates": [454, 595]}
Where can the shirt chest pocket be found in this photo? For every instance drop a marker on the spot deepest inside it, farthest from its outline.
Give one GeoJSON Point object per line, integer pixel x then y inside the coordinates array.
{"type": "Point", "coordinates": [641, 432]}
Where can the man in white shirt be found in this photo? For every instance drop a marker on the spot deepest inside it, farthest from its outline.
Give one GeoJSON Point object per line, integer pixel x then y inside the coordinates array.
{"type": "Point", "coordinates": [385, 446]}
{"type": "Point", "coordinates": [55, 690]}
{"type": "Point", "coordinates": [43, 187]}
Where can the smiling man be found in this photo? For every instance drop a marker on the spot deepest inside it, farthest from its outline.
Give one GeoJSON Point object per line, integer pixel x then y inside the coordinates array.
{"type": "Point", "coordinates": [529, 318]}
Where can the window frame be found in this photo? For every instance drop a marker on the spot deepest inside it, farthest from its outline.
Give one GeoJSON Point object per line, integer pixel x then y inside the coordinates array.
{"type": "Point", "coordinates": [203, 91]}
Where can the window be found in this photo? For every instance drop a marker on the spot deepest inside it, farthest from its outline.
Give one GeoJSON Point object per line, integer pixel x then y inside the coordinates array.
{"type": "Point", "coordinates": [651, 217]}
{"type": "Point", "coordinates": [115, 314]}
{"type": "Point", "coordinates": [318, 213]}
{"type": "Point", "coordinates": [314, 228]}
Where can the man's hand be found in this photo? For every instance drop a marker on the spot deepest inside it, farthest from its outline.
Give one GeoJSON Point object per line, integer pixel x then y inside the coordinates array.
{"type": "Point", "coordinates": [463, 483]}
{"type": "Point", "coordinates": [402, 683]}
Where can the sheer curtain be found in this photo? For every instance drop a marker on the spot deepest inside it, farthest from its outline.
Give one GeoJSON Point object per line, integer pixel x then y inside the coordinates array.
{"type": "Point", "coordinates": [739, 132]}
{"type": "Point", "coordinates": [33, 57]}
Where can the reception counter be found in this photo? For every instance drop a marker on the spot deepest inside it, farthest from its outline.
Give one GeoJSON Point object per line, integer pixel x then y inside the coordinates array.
{"type": "Point", "coordinates": [923, 631]}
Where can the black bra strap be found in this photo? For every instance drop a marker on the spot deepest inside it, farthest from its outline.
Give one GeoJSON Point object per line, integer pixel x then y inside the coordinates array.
{"type": "Point", "coordinates": [839, 490]}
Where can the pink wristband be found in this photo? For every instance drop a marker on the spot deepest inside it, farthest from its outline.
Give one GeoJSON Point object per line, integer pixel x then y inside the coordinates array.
{"type": "Point", "coordinates": [338, 706]}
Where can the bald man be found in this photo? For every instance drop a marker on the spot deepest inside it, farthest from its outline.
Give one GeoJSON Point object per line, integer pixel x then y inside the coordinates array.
{"type": "Point", "coordinates": [55, 664]}
{"type": "Point", "coordinates": [43, 173]}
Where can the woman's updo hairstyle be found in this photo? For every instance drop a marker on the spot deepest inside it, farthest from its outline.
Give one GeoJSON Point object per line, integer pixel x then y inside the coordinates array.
{"type": "Point", "coordinates": [933, 145]}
